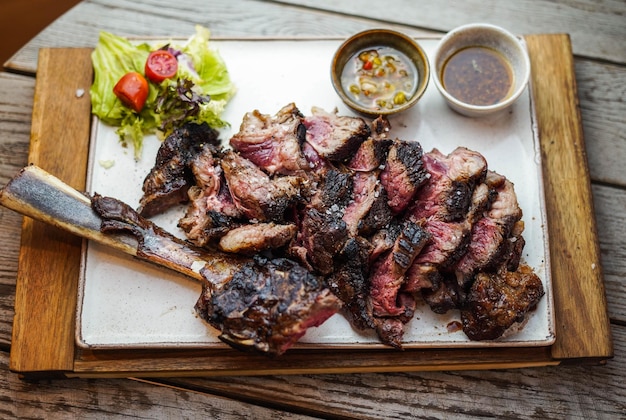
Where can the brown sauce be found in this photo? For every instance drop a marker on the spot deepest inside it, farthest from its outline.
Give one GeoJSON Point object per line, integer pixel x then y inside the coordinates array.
{"type": "Point", "coordinates": [478, 76]}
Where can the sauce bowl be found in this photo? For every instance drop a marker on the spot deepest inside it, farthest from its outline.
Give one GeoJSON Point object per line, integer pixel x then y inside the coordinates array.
{"type": "Point", "coordinates": [480, 69]}
{"type": "Point", "coordinates": [380, 72]}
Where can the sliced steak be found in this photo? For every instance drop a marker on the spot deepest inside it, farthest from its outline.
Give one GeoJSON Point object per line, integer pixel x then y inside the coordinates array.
{"type": "Point", "coordinates": [349, 282]}
{"type": "Point", "coordinates": [388, 272]}
{"type": "Point", "coordinates": [272, 142]}
{"type": "Point", "coordinates": [371, 155]}
{"type": "Point", "coordinates": [498, 300]}
{"type": "Point", "coordinates": [253, 238]}
{"type": "Point", "coordinates": [403, 175]}
{"type": "Point", "coordinates": [334, 137]}
{"type": "Point", "coordinates": [448, 193]}
{"type": "Point", "coordinates": [211, 211]}
{"type": "Point", "coordinates": [258, 196]}
{"type": "Point", "coordinates": [366, 189]}
{"type": "Point", "coordinates": [322, 235]}
{"type": "Point", "coordinates": [489, 246]}
{"type": "Point", "coordinates": [169, 179]}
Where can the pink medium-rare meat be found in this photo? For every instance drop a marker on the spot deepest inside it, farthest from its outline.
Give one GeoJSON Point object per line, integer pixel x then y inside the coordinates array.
{"type": "Point", "coordinates": [447, 193]}
{"type": "Point", "coordinates": [366, 189]}
{"type": "Point", "coordinates": [388, 272]}
{"type": "Point", "coordinates": [334, 137]}
{"type": "Point", "coordinates": [403, 174]}
{"type": "Point", "coordinates": [258, 196]}
{"type": "Point", "coordinates": [371, 155]}
{"type": "Point", "coordinates": [489, 243]}
{"type": "Point", "coordinates": [272, 142]}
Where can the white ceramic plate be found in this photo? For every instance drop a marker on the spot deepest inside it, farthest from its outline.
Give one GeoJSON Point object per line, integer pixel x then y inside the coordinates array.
{"type": "Point", "coordinates": [125, 303]}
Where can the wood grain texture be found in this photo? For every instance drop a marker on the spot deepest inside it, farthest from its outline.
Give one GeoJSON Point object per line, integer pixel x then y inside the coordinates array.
{"type": "Point", "coordinates": [597, 28]}
{"type": "Point", "coordinates": [46, 282]}
{"type": "Point", "coordinates": [123, 399]}
{"type": "Point", "coordinates": [610, 208]}
{"type": "Point", "coordinates": [242, 18]}
{"type": "Point", "coordinates": [573, 246]}
{"type": "Point", "coordinates": [601, 90]}
{"type": "Point", "coordinates": [546, 393]}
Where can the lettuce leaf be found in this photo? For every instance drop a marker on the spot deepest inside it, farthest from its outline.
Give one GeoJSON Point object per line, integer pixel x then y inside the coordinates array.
{"type": "Point", "coordinates": [115, 56]}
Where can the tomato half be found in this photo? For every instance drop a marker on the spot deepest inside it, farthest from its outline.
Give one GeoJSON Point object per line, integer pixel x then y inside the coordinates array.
{"type": "Point", "coordinates": [132, 90]}
{"type": "Point", "coordinates": [161, 65]}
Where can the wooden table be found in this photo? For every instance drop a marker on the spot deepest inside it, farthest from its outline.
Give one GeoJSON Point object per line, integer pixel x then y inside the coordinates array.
{"type": "Point", "coordinates": [569, 390]}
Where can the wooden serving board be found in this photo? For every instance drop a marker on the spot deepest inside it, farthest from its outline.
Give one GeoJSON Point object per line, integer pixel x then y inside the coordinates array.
{"type": "Point", "coordinates": [43, 341]}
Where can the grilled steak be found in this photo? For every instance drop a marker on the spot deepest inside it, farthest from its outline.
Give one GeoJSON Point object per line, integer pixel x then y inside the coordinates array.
{"type": "Point", "coordinates": [170, 177]}
{"type": "Point", "coordinates": [255, 194]}
{"type": "Point", "coordinates": [403, 174]}
{"type": "Point", "coordinates": [272, 142]}
{"type": "Point", "coordinates": [267, 305]}
{"type": "Point", "coordinates": [498, 300]}
{"type": "Point", "coordinates": [388, 272]}
{"type": "Point", "coordinates": [333, 137]}
{"type": "Point", "coordinates": [383, 223]}
{"type": "Point", "coordinates": [251, 239]}
{"type": "Point", "coordinates": [489, 244]}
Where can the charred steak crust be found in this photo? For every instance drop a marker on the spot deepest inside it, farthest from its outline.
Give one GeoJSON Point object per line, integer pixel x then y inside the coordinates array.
{"type": "Point", "coordinates": [498, 300]}
{"type": "Point", "coordinates": [267, 305]}
{"type": "Point", "coordinates": [169, 179]}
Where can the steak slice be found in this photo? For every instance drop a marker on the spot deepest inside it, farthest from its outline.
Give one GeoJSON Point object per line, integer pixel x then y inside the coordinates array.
{"type": "Point", "coordinates": [371, 155]}
{"type": "Point", "coordinates": [321, 237]}
{"type": "Point", "coordinates": [403, 175]}
{"type": "Point", "coordinates": [267, 305]}
{"type": "Point", "coordinates": [448, 193]}
{"type": "Point", "coordinates": [388, 272]}
{"type": "Point", "coordinates": [273, 142]}
{"type": "Point", "coordinates": [498, 300]}
{"type": "Point", "coordinates": [349, 282]}
{"type": "Point", "coordinates": [255, 194]}
{"type": "Point", "coordinates": [169, 179]}
{"type": "Point", "coordinates": [251, 239]}
{"type": "Point", "coordinates": [334, 137]}
{"type": "Point", "coordinates": [211, 211]}
{"type": "Point", "coordinates": [489, 247]}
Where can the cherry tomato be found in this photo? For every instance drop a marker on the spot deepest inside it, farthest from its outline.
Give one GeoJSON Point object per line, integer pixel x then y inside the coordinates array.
{"type": "Point", "coordinates": [367, 65]}
{"type": "Point", "coordinates": [132, 90]}
{"type": "Point", "coordinates": [161, 65]}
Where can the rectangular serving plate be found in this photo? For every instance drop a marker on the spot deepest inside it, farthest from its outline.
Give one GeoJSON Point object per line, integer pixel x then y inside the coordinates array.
{"type": "Point", "coordinates": [125, 303]}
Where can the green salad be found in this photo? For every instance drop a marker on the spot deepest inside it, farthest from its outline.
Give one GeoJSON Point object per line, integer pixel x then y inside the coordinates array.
{"type": "Point", "coordinates": [152, 89]}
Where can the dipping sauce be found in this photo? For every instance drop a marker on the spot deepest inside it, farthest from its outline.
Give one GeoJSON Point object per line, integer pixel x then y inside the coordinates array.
{"type": "Point", "coordinates": [478, 76]}
{"type": "Point", "coordinates": [381, 78]}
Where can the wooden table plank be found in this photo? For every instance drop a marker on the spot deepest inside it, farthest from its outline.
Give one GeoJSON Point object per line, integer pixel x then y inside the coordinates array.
{"type": "Point", "coordinates": [243, 18]}
{"type": "Point", "coordinates": [49, 261]}
{"type": "Point", "coordinates": [597, 28]}
{"type": "Point", "coordinates": [548, 393]}
{"type": "Point", "coordinates": [574, 248]}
